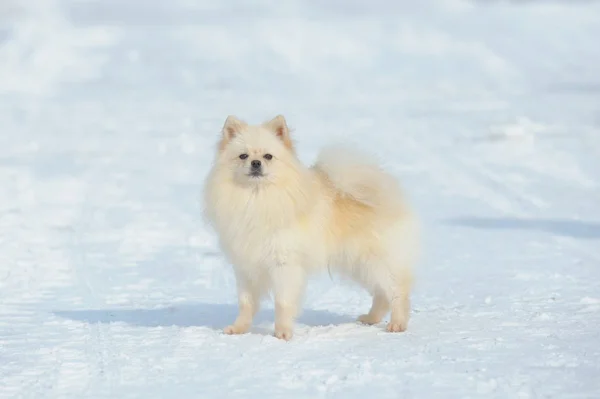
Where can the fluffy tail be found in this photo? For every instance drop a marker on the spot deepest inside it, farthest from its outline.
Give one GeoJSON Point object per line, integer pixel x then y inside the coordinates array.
{"type": "Point", "coordinates": [352, 174]}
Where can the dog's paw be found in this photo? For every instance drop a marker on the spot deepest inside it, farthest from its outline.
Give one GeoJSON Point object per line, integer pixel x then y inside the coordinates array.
{"type": "Point", "coordinates": [367, 319]}
{"type": "Point", "coordinates": [235, 329]}
{"type": "Point", "coordinates": [396, 327]}
{"type": "Point", "coordinates": [284, 333]}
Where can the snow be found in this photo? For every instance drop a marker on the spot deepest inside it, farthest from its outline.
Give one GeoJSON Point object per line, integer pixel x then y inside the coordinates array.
{"type": "Point", "coordinates": [112, 286]}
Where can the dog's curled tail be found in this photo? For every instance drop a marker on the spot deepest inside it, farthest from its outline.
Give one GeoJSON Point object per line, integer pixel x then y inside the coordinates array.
{"type": "Point", "coordinates": [353, 174]}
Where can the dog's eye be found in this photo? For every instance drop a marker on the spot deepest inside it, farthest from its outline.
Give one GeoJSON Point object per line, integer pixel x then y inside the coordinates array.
{"type": "Point", "coordinates": [268, 157]}
{"type": "Point", "coordinates": [243, 156]}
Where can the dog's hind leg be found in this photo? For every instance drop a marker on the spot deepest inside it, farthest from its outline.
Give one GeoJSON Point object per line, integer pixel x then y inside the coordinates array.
{"type": "Point", "coordinates": [398, 293]}
{"type": "Point", "coordinates": [379, 308]}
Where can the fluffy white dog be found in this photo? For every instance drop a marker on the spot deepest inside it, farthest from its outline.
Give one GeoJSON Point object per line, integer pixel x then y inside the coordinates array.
{"type": "Point", "coordinates": [278, 221]}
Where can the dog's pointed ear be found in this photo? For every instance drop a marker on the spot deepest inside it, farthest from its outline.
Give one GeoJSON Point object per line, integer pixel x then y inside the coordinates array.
{"type": "Point", "coordinates": [279, 126]}
{"type": "Point", "coordinates": [232, 127]}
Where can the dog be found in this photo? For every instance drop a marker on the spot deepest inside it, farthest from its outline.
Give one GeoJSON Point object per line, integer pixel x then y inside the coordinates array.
{"type": "Point", "coordinates": [279, 221]}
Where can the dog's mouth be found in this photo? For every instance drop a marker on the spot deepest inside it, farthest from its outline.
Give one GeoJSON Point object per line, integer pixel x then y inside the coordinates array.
{"type": "Point", "coordinates": [255, 174]}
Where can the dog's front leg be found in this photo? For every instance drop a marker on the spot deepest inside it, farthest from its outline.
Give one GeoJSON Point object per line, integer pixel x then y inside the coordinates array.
{"type": "Point", "coordinates": [288, 282]}
{"type": "Point", "coordinates": [248, 302]}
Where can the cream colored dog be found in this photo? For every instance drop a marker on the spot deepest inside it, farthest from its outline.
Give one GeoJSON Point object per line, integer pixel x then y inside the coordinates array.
{"type": "Point", "coordinates": [278, 221]}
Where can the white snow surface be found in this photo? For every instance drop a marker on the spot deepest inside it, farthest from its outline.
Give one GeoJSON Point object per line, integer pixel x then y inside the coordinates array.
{"type": "Point", "coordinates": [112, 286]}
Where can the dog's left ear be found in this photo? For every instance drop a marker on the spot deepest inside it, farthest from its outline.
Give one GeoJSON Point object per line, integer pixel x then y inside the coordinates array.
{"type": "Point", "coordinates": [232, 127]}
{"type": "Point", "coordinates": [279, 126]}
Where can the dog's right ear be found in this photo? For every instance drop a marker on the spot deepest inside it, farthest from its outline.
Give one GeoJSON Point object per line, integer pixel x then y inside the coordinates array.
{"type": "Point", "coordinates": [232, 127]}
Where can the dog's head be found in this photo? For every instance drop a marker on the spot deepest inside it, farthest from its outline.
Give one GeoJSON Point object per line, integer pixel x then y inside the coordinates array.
{"type": "Point", "coordinates": [256, 154]}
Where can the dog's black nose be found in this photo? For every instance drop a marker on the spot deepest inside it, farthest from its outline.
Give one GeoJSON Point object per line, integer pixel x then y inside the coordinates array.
{"type": "Point", "coordinates": [255, 164]}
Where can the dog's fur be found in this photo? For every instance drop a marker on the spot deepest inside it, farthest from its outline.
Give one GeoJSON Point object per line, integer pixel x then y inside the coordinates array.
{"type": "Point", "coordinates": [344, 213]}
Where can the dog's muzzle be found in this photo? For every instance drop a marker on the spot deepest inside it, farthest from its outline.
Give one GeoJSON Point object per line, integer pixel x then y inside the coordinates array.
{"type": "Point", "coordinates": [255, 168]}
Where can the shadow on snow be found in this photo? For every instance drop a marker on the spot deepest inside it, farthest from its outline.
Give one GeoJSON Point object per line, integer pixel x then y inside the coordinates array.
{"type": "Point", "coordinates": [192, 315]}
{"type": "Point", "coordinates": [568, 228]}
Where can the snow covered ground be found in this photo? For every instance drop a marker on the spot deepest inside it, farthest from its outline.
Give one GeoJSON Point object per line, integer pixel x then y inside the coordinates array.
{"type": "Point", "coordinates": [488, 111]}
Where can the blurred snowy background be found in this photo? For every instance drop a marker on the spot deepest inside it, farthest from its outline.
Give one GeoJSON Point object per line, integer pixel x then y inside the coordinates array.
{"type": "Point", "coordinates": [488, 111]}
